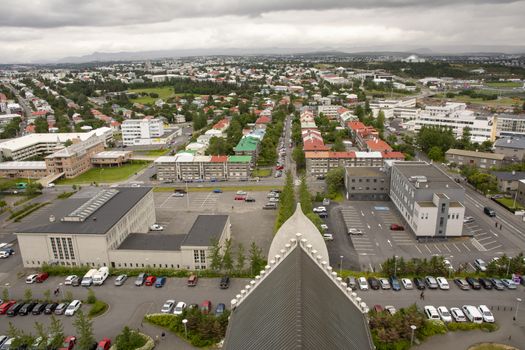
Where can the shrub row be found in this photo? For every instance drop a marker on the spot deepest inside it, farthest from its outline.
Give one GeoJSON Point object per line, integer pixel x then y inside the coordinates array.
{"type": "Point", "coordinates": [25, 208]}
{"type": "Point", "coordinates": [30, 210]}
{"type": "Point", "coordinates": [65, 195]}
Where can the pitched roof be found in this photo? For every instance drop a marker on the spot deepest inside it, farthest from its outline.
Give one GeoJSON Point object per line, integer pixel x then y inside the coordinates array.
{"type": "Point", "coordinates": [465, 153]}
{"type": "Point", "coordinates": [378, 145]}
{"type": "Point", "coordinates": [511, 142]}
{"type": "Point", "coordinates": [509, 175]}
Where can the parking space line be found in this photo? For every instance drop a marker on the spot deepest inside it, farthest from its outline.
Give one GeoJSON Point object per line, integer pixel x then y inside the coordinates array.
{"type": "Point", "coordinates": [419, 250]}
{"type": "Point", "coordinates": [427, 248]}
{"type": "Point", "coordinates": [483, 239]}
{"type": "Point", "coordinates": [446, 246]}
{"type": "Point", "coordinates": [454, 244]}
{"type": "Point", "coordinates": [439, 250]}
{"type": "Point", "coordinates": [467, 248]}
{"type": "Point", "coordinates": [478, 245]}
{"type": "Point", "coordinates": [496, 247]}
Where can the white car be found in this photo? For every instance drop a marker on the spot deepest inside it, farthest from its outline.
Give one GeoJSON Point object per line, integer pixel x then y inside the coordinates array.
{"type": "Point", "coordinates": [384, 283]}
{"type": "Point", "coordinates": [168, 306]}
{"type": "Point", "coordinates": [355, 231]}
{"type": "Point", "coordinates": [480, 265]}
{"type": "Point", "coordinates": [391, 310]}
{"type": "Point", "coordinates": [31, 279]}
{"type": "Point", "coordinates": [457, 314]}
{"type": "Point", "coordinates": [73, 307]}
{"type": "Point", "coordinates": [444, 314]}
{"type": "Point", "coordinates": [487, 315]}
{"type": "Point", "coordinates": [442, 283]}
{"type": "Point", "coordinates": [50, 185]}
{"type": "Point", "coordinates": [156, 227]}
{"type": "Point", "coordinates": [179, 308]}
{"type": "Point", "coordinates": [326, 201]}
{"type": "Point", "coordinates": [431, 313]}
{"type": "Point", "coordinates": [178, 194]}
{"type": "Point", "coordinates": [328, 237]}
{"type": "Point", "coordinates": [407, 283]}
{"type": "Point", "coordinates": [319, 210]}
{"type": "Point", "coordinates": [69, 279]}
{"type": "Point", "coordinates": [241, 193]}
{"type": "Point", "coordinates": [363, 284]}
{"type": "Point", "coordinates": [468, 219]}
{"type": "Point", "coordinates": [448, 264]}
{"type": "Point", "coordinates": [324, 227]}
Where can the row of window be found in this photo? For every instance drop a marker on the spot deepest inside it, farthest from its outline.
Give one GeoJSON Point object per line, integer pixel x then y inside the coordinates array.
{"type": "Point", "coordinates": [62, 248]}
{"type": "Point", "coordinates": [368, 180]}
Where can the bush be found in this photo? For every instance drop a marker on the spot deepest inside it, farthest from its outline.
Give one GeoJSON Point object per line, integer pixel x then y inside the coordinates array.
{"type": "Point", "coordinates": [65, 195]}
{"type": "Point", "coordinates": [29, 211]}
{"type": "Point", "coordinates": [433, 327]}
{"type": "Point", "coordinates": [129, 340]}
{"type": "Point", "coordinates": [91, 298]}
{"type": "Point", "coordinates": [98, 308]}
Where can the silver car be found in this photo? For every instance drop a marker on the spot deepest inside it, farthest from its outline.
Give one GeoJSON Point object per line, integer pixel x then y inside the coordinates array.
{"type": "Point", "coordinates": [120, 280]}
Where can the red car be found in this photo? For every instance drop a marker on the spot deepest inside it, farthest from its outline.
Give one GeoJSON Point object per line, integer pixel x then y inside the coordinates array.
{"type": "Point", "coordinates": [69, 343]}
{"type": "Point", "coordinates": [150, 280]}
{"type": "Point", "coordinates": [396, 227]}
{"type": "Point", "coordinates": [240, 198]}
{"type": "Point", "coordinates": [41, 277]}
{"type": "Point", "coordinates": [104, 344]}
{"type": "Point", "coordinates": [206, 307]}
{"type": "Point", "coordinates": [5, 306]}
{"type": "Point", "coordinates": [279, 167]}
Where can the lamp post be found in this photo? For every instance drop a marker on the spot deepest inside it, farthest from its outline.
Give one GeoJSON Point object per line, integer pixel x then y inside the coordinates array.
{"type": "Point", "coordinates": [413, 328]}
{"type": "Point", "coordinates": [395, 265]}
{"type": "Point", "coordinates": [184, 322]}
{"type": "Point", "coordinates": [61, 289]}
{"type": "Point", "coordinates": [341, 266]}
{"type": "Point", "coordinates": [518, 301]}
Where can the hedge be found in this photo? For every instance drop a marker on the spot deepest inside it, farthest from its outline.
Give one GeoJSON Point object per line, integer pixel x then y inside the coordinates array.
{"type": "Point", "coordinates": [22, 210]}
{"type": "Point", "coordinates": [98, 308]}
{"type": "Point", "coordinates": [30, 210]}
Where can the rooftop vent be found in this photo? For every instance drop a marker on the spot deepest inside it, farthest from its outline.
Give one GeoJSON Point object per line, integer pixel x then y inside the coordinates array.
{"type": "Point", "coordinates": [85, 210]}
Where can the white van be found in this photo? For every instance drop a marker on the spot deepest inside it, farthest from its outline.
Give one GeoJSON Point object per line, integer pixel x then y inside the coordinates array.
{"type": "Point", "coordinates": [100, 276]}
{"type": "Point", "coordinates": [87, 280]}
{"type": "Point", "coordinates": [472, 313]}
{"type": "Point", "coordinates": [431, 313]}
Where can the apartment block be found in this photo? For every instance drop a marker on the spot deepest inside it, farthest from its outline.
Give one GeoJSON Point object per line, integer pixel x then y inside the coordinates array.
{"type": "Point", "coordinates": [367, 183]}
{"type": "Point", "coordinates": [510, 125]}
{"type": "Point", "coordinates": [512, 147]}
{"type": "Point", "coordinates": [23, 169]}
{"type": "Point", "coordinates": [141, 131]}
{"type": "Point", "coordinates": [482, 160]}
{"type": "Point", "coordinates": [320, 163]}
{"type": "Point", "coordinates": [111, 158]}
{"type": "Point", "coordinates": [430, 202]}
{"type": "Point", "coordinates": [520, 195]}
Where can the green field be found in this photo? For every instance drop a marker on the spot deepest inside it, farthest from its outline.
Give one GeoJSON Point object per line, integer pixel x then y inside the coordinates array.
{"type": "Point", "coordinates": [501, 102]}
{"type": "Point", "coordinates": [153, 152]}
{"type": "Point", "coordinates": [509, 203]}
{"type": "Point", "coordinates": [262, 172]}
{"type": "Point", "coordinates": [106, 175]}
{"type": "Point", "coordinates": [504, 84]}
{"type": "Point", "coordinates": [164, 93]}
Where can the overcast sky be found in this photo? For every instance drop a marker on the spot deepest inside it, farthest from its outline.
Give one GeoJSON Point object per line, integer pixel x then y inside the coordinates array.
{"type": "Point", "coordinates": [35, 30]}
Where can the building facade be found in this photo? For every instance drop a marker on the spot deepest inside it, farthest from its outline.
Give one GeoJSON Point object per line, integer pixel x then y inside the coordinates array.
{"type": "Point", "coordinates": [512, 147]}
{"type": "Point", "coordinates": [510, 125]}
{"type": "Point", "coordinates": [482, 160]}
{"type": "Point", "coordinates": [367, 183]}
{"type": "Point", "coordinates": [141, 131]}
{"type": "Point", "coordinates": [428, 200]}
{"type": "Point", "coordinates": [23, 169]}
{"type": "Point", "coordinates": [320, 163]}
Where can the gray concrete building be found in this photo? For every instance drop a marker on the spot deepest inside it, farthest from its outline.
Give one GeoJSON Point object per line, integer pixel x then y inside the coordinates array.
{"type": "Point", "coordinates": [512, 147]}
{"type": "Point", "coordinates": [430, 202]}
{"type": "Point", "coordinates": [482, 160]}
{"type": "Point", "coordinates": [520, 195]}
{"type": "Point", "coordinates": [367, 183]}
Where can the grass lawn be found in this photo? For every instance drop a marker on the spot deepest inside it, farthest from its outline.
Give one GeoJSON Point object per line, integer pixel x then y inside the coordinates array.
{"type": "Point", "coordinates": [105, 175]}
{"type": "Point", "coordinates": [504, 101]}
{"type": "Point", "coordinates": [504, 84]}
{"type": "Point", "coordinates": [164, 93]}
{"type": "Point", "coordinates": [224, 189]}
{"type": "Point", "coordinates": [153, 152]}
{"type": "Point", "coordinates": [262, 172]}
{"type": "Point", "coordinates": [509, 203]}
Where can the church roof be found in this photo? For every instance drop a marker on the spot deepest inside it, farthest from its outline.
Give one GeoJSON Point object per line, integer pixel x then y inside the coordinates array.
{"type": "Point", "coordinates": [298, 222]}
{"type": "Point", "coordinates": [298, 302]}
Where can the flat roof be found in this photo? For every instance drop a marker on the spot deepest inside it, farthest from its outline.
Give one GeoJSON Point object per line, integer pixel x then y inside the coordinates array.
{"type": "Point", "coordinates": [204, 229]}
{"type": "Point", "coordinates": [111, 154]}
{"type": "Point", "coordinates": [365, 171]}
{"type": "Point", "coordinates": [426, 204]}
{"type": "Point", "coordinates": [435, 178]}
{"type": "Point", "coordinates": [21, 165]}
{"type": "Point", "coordinates": [152, 241]}
{"type": "Point", "coordinates": [99, 222]}
{"type": "Point", "coordinates": [462, 152]}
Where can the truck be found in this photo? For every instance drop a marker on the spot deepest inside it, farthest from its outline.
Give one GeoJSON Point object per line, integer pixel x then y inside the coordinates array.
{"type": "Point", "coordinates": [87, 280]}
{"type": "Point", "coordinates": [100, 276]}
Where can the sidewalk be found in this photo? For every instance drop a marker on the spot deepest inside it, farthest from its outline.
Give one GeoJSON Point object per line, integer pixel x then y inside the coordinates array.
{"type": "Point", "coordinates": [170, 342]}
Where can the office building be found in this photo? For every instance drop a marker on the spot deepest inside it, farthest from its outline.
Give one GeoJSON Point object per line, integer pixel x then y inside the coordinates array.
{"type": "Point", "coordinates": [367, 183]}
{"type": "Point", "coordinates": [145, 131]}
{"type": "Point", "coordinates": [510, 125]}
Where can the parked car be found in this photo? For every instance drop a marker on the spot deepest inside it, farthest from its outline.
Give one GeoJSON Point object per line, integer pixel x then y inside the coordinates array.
{"type": "Point", "coordinates": [7, 344]}
{"type": "Point", "coordinates": [457, 314]}
{"type": "Point", "coordinates": [41, 277]}
{"type": "Point", "coordinates": [374, 283]}
{"type": "Point", "coordinates": [324, 227]}
{"type": "Point", "coordinates": [150, 280]}
{"type": "Point", "coordinates": [497, 283]}
{"type": "Point", "coordinates": [355, 231]}
{"type": "Point", "coordinates": [179, 308]}
{"type": "Point", "coordinates": [270, 206]}
{"type": "Point", "coordinates": [219, 310]}
{"type": "Point", "coordinates": [119, 281]}
{"type": "Point", "coordinates": [326, 201]}
{"type": "Point", "coordinates": [6, 253]}
{"type": "Point", "coordinates": [69, 343]}
{"type": "Point", "coordinates": [178, 194]}
{"type": "Point", "coordinates": [444, 314]}
{"type": "Point", "coordinates": [448, 264]}
{"type": "Point", "coordinates": [419, 283]}
{"type": "Point", "coordinates": [323, 215]}
{"type": "Point", "coordinates": [472, 313]}
{"type": "Point", "coordinates": [485, 283]}
{"type": "Point", "coordinates": [473, 283]}
{"type": "Point", "coordinates": [431, 282]}
{"type": "Point", "coordinates": [242, 193]}
{"type": "Point", "coordinates": [249, 199]}
{"type": "Point", "coordinates": [192, 280]}
{"type": "Point", "coordinates": [73, 307]}
{"type": "Point", "coordinates": [383, 282]}
{"type": "Point", "coordinates": [14, 309]}
{"type": "Point", "coordinates": [390, 309]}
{"type": "Point", "coordinates": [6, 305]}
{"type": "Point", "coordinates": [31, 279]}
{"type": "Point", "coordinates": [27, 308]}
{"type": "Point", "coordinates": [39, 308]}
{"type": "Point", "coordinates": [161, 281]}
{"type": "Point", "coordinates": [239, 197]}
{"type": "Point", "coordinates": [156, 227]}
{"type": "Point", "coordinates": [69, 279]}
{"type": "Point", "coordinates": [328, 237]}
{"type": "Point", "coordinates": [319, 210]}
{"type": "Point", "coordinates": [378, 308]}
{"type": "Point", "coordinates": [396, 227]}
{"type": "Point", "coordinates": [61, 308]}
{"type": "Point", "coordinates": [407, 283]}
{"type": "Point", "coordinates": [431, 312]}
{"type": "Point", "coordinates": [217, 190]}
{"type": "Point", "coordinates": [351, 282]}
{"type": "Point", "coordinates": [480, 265]}
{"type": "Point", "coordinates": [461, 283]}
{"type": "Point", "coordinates": [104, 344]}
{"type": "Point", "coordinates": [487, 315]}
{"type": "Point", "coordinates": [168, 306]}
{"type": "Point", "coordinates": [206, 307]}
{"type": "Point", "coordinates": [442, 283]}
{"type": "Point", "coordinates": [224, 283]}
{"type": "Point", "coordinates": [50, 308]}
{"type": "Point", "coordinates": [394, 282]}
{"type": "Point", "coordinates": [363, 285]}
{"type": "Point", "coordinates": [3, 339]}
{"type": "Point", "coordinates": [141, 278]}
{"type": "Point", "coordinates": [468, 219]}
{"type": "Point", "coordinates": [510, 284]}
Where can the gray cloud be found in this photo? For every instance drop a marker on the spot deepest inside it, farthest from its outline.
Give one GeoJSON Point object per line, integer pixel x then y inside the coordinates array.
{"type": "Point", "coordinates": [60, 13]}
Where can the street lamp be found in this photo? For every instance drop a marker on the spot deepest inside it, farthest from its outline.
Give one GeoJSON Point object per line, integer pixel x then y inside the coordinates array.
{"type": "Point", "coordinates": [395, 265]}
{"type": "Point", "coordinates": [341, 266]}
{"type": "Point", "coordinates": [184, 322]}
{"type": "Point", "coordinates": [61, 289]}
{"type": "Point", "coordinates": [518, 301]}
{"type": "Point", "coordinates": [413, 328]}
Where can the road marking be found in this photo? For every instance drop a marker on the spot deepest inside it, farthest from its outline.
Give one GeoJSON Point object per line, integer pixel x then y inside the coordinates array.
{"type": "Point", "coordinates": [367, 225]}
{"type": "Point", "coordinates": [510, 225]}
{"type": "Point", "coordinates": [478, 245]}
{"type": "Point", "coordinates": [362, 214]}
{"type": "Point", "coordinates": [483, 239]}
{"type": "Point", "coordinates": [494, 233]}
{"type": "Point", "coordinates": [472, 266]}
{"type": "Point", "coordinates": [454, 244]}
{"type": "Point", "coordinates": [464, 245]}
{"type": "Point", "coordinates": [496, 247]}
{"type": "Point", "coordinates": [446, 246]}
{"type": "Point", "coordinates": [389, 242]}
{"type": "Point", "coordinates": [439, 250]}
{"type": "Point", "coordinates": [428, 249]}
{"type": "Point", "coordinates": [419, 250]}
{"type": "Point", "coordinates": [167, 199]}
{"type": "Point", "coordinates": [381, 227]}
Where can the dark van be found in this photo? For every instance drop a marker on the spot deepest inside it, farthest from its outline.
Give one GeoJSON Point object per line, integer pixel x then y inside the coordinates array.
{"type": "Point", "coordinates": [489, 211]}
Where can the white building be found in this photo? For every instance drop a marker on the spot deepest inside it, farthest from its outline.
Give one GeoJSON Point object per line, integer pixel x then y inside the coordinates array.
{"type": "Point", "coordinates": [329, 111]}
{"type": "Point", "coordinates": [510, 124]}
{"type": "Point", "coordinates": [141, 131]}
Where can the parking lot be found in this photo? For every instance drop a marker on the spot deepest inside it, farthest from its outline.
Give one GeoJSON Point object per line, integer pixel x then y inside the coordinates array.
{"type": "Point", "coordinates": [378, 242]}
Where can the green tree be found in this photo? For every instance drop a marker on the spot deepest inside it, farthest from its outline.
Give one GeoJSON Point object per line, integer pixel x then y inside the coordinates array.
{"type": "Point", "coordinates": [287, 201]}
{"type": "Point", "coordinates": [335, 181]}
{"type": "Point", "coordinates": [42, 334]}
{"type": "Point", "coordinates": [257, 261]}
{"type": "Point", "coordinates": [431, 136]}
{"type": "Point", "coordinates": [338, 145]}
{"type": "Point", "coordinates": [47, 296]}
{"type": "Point", "coordinates": [435, 153]}
{"type": "Point", "coordinates": [227, 259]}
{"type": "Point", "coordinates": [28, 295]}
{"type": "Point", "coordinates": [5, 294]}
{"type": "Point", "coordinates": [56, 331]}
{"type": "Point", "coordinates": [68, 296]}
{"type": "Point", "coordinates": [34, 188]}
{"type": "Point", "coordinates": [128, 340]}
{"type": "Point", "coordinates": [215, 256]}
{"type": "Point", "coordinates": [299, 158]}
{"type": "Point", "coordinates": [41, 125]}
{"type": "Point", "coordinates": [84, 330]}
{"type": "Point", "coordinates": [91, 297]}
{"type": "Point", "coordinates": [380, 121]}
{"type": "Point", "coordinates": [241, 257]}
{"type": "Point", "coordinates": [304, 196]}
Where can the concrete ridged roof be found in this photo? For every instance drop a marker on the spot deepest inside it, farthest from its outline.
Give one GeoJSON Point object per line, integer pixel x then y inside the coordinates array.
{"type": "Point", "coordinates": [299, 223]}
